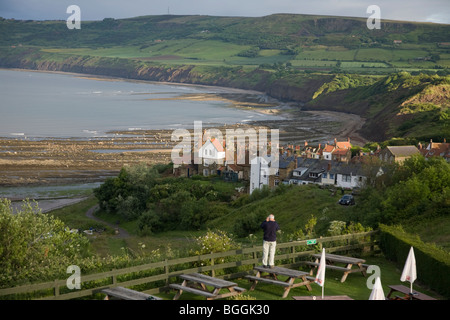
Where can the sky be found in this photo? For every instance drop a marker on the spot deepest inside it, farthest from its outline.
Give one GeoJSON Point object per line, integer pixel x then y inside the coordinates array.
{"type": "Point", "coordinates": [437, 11]}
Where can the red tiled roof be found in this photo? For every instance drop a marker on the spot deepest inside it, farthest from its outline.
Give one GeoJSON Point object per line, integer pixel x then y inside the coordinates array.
{"type": "Point", "coordinates": [234, 167]}
{"type": "Point", "coordinates": [217, 145]}
{"type": "Point", "coordinates": [343, 145]}
{"type": "Point", "coordinates": [340, 152]}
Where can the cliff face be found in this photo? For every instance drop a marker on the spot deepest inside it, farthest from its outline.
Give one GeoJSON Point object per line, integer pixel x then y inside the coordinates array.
{"type": "Point", "coordinates": [399, 105]}
{"type": "Point", "coordinates": [258, 80]}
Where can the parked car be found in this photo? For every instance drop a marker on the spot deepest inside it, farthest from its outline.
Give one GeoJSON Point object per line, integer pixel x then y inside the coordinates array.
{"type": "Point", "coordinates": [347, 200]}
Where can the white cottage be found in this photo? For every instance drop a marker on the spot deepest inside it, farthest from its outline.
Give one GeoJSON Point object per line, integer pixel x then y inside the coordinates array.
{"type": "Point", "coordinates": [211, 152]}
{"type": "Point", "coordinates": [259, 172]}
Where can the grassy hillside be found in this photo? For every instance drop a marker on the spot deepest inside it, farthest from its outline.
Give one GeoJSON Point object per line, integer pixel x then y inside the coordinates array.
{"type": "Point", "coordinates": [399, 105]}
{"type": "Point", "coordinates": [293, 207]}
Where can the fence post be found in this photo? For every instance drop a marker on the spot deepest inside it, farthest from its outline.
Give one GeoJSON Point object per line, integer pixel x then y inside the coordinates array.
{"type": "Point", "coordinates": [293, 251]}
{"type": "Point", "coordinates": [56, 288]}
{"type": "Point", "coordinates": [255, 256]}
{"type": "Point", "coordinates": [166, 270]}
{"type": "Point", "coordinates": [213, 273]}
{"type": "Point", "coordinates": [114, 278]}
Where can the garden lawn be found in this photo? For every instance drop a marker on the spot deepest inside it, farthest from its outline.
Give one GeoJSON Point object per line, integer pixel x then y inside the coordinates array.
{"type": "Point", "coordinates": [355, 286]}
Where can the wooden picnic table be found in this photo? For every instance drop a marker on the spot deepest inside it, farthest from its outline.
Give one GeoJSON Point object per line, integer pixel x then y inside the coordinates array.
{"type": "Point", "coordinates": [406, 294]}
{"type": "Point", "coordinates": [332, 259]}
{"type": "Point", "coordinates": [280, 271]}
{"type": "Point", "coordinates": [122, 293]}
{"type": "Point", "coordinates": [198, 284]}
{"type": "Point", "coordinates": [343, 297]}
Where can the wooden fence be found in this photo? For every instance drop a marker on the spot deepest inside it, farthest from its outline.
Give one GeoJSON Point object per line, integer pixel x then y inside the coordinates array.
{"type": "Point", "coordinates": [231, 264]}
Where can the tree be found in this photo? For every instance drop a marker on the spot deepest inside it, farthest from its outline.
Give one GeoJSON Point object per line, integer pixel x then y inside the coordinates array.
{"type": "Point", "coordinates": [418, 188]}
{"type": "Point", "coordinates": [34, 245]}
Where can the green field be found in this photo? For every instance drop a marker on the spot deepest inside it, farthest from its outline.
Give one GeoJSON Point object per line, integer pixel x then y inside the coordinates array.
{"type": "Point", "coordinates": [305, 42]}
{"type": "Point", "coordinates": [218, 53]}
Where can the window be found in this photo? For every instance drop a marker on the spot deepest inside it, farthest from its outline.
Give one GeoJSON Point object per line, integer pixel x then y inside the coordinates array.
{"type": "Point", "coordinates": [346, 178]}
{"type": "Point", "coordinates": [331, 175]}
{"type": "Point", "coordinates": [277, 182]}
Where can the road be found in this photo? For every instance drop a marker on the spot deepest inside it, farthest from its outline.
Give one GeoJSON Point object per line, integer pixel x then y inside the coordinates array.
{"type": "Point", "coordinates": [122, 233]}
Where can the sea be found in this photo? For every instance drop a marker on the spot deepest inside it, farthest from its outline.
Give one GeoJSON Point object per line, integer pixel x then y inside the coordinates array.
{"type": "Point", "coordinates": [57, 105]}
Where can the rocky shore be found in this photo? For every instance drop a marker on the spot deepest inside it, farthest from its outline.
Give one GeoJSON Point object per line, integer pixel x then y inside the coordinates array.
{"type": "Point", "coordinates": [62, 161]}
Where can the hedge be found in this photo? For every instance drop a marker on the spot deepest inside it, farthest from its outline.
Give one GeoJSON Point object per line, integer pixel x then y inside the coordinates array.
{"type": "Point", "coordinates": [433, 263]}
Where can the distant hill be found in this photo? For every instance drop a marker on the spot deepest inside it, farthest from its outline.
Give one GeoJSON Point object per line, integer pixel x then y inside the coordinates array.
{"type": "Point", "coordinates": [325, 62]}
{"type": "Point", "coordinates": [278, 31]}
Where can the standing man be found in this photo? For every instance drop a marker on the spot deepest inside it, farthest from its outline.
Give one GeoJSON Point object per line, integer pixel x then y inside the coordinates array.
{"type": "Point", "coordinates": [270, 227]}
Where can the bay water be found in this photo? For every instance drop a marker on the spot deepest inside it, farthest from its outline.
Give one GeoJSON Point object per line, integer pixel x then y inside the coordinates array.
{"type": "Point", "coordinates": [40, 105]}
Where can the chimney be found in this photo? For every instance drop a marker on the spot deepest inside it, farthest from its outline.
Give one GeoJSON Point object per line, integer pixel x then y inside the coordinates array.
{"type": "Point", "coordinates": [306, 143]}
{"type": "Point", "coordinates": [329, 166]}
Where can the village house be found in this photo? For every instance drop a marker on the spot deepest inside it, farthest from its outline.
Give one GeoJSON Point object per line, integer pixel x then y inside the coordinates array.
{"type": "Point", "coordinates": [339, 151]}
{"type": "Point", "coordinates": [436, 149]}
{"type": "Point", "coordinates": [262, 172]}
{"type": "Point", "coordinates": [185, 170]}
{"type": "Point", "coordinates": [347, 175]}
{"type": "Point", "coordinates": [259, 172]}
{"type": "Point", "coordinates": [397, 154]}
{"type": "Point", "coordinates": [286, 165]}
{"type": "Point", "coordinates": [310, 152]}
{"type": "Point", "coordinates": [307, 171]}
{"type": "Point", "coordinates": [212, 153]}
{"type": "Point", "coordinates": [327, 152]}
{"type": "Point", "coordinates": [328, 172]}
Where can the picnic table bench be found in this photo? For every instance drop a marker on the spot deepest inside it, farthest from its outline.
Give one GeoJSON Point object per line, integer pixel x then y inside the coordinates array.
{"type": "Point", "coordinates": [122, 293]}
{"type": "Point", "coordinates": [274, 272]}
{"type": "Point", "coordinates": [198, 284]}
{"type": "Point", "coordinates": [406, 294]}
{"type": "Point", "coordinates": [307, 298]}
{"type": "Point", "coordinates": [331, 259]}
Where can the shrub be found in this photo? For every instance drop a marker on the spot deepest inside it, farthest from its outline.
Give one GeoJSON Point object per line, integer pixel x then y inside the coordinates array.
{"type": "Point", "coordinates": [34, 245]}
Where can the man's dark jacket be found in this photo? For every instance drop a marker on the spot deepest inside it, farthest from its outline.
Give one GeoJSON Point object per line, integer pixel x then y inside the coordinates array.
{"type": "Point", "coordinates": [270, 230]}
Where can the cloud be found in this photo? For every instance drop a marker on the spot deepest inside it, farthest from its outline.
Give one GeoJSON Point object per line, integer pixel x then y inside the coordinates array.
{"type": "Point", "coordinates": [413, 10]}
{"type": "Point", "coordinates": [439, 18]}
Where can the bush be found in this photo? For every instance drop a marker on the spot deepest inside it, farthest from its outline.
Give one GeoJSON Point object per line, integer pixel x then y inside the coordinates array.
{"type": "Point", "coordinates": [35, 246]}
{"type": "Point", "coordinates": [249, 223]}
{"type": "Point", "coordinates": [148, 223]}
